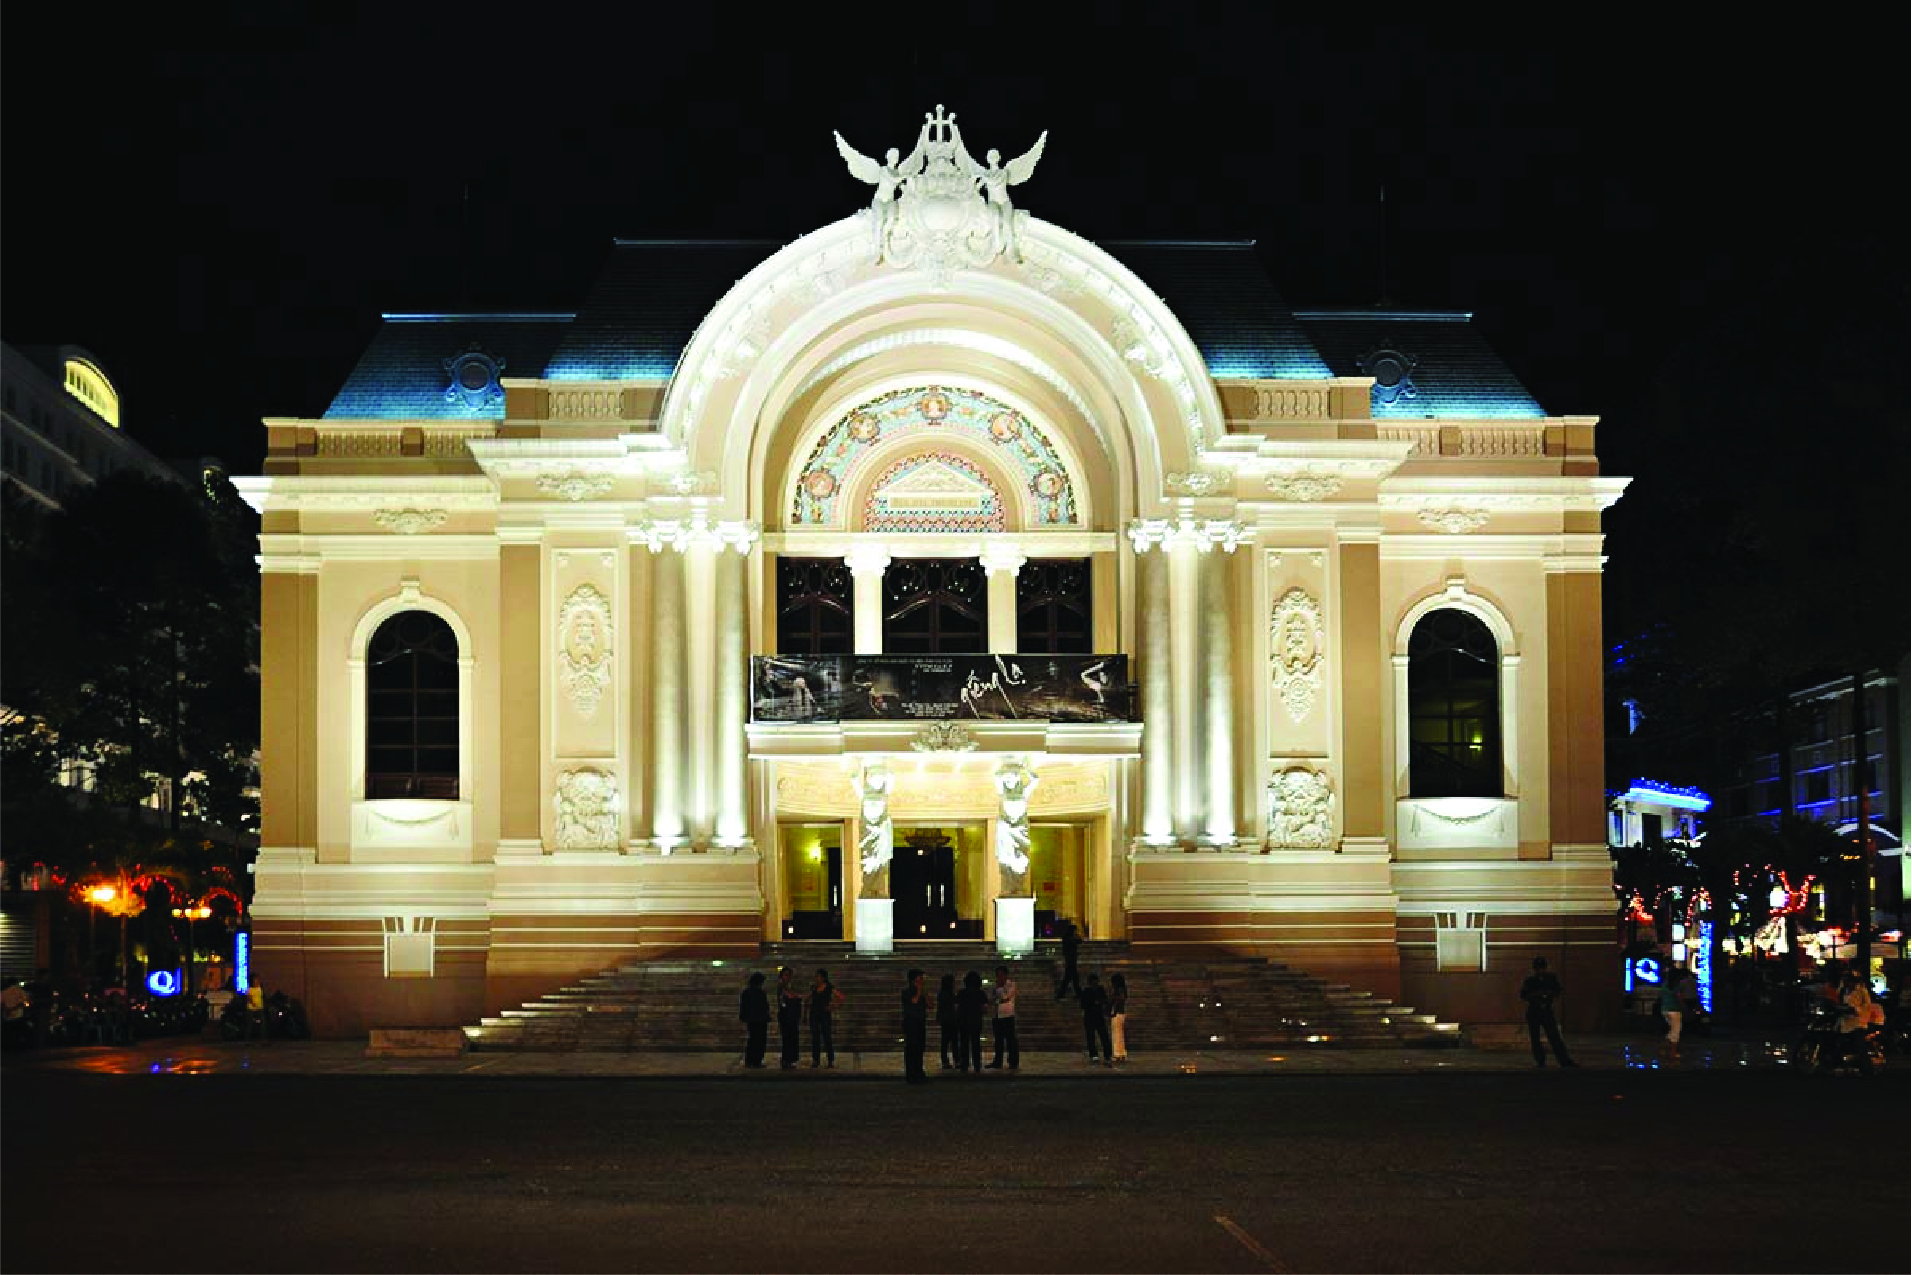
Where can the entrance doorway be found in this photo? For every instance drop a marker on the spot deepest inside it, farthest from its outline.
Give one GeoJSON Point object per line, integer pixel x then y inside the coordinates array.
{"type": "Point", "coordinates": [1059, 876]}
{"type": "Point", "coordinates": [936, 884]}
{"type": "Point", "coordinates": [812, 862]}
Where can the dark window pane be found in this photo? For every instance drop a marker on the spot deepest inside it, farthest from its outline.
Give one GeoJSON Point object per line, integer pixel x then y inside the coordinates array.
{"type": "Point", "coordinates": [1054, 607]}
{"type": "Point", "coordinates": [411, 709]}
{"type": "Point", "coordinates": [935, 606]}
{"type": "Point", "coordinates": [814, 601]}
{"type": "Point", "coordinates": [1453, 708]}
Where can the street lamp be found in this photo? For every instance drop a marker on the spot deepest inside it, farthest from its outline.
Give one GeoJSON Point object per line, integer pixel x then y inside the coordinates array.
{"type": "Point", "coordinates": [192, 914]}
{"type": "Point", "coordinates": [99, 896]}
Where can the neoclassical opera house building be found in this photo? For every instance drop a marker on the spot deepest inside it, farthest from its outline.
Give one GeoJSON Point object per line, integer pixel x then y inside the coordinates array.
{"type": "Point", "coordinates": [941, 575]}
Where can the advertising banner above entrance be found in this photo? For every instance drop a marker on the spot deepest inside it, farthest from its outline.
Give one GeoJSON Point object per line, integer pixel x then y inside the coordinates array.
{"type": "Point", "coordinates": [864, 688]}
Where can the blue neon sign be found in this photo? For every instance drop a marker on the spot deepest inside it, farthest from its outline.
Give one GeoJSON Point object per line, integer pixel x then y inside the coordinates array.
{"type": "Point", "coordinates": [163, 982]}
{"type": "Point", "coordinates": [242, 961]}
{"type": "Point", "coordinates": [1703, 965]}
{"type": "Point", "coordinates": [1643, 969]}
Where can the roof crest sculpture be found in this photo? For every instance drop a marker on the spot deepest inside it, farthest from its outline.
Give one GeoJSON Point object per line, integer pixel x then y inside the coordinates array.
{"type": "Point", "coordinates": [939, 209]}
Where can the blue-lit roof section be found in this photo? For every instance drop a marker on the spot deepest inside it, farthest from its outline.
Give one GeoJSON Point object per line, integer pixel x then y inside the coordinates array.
{"type": "Point", "coordinates": [426, 367]}
{"type": "Point", "coordinates": [1231, 310]}
{"type": "Point", "coordinates": [646, 305]}
{"type": "Point", "coordinates": [1450, 372]}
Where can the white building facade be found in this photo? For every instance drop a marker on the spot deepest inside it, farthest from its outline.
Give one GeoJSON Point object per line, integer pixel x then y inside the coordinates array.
{"type": "Point", "coordinates": [937, 578]}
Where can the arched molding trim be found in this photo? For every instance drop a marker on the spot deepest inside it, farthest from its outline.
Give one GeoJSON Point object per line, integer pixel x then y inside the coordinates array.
{"type": "Point", "coordinates": [866, 478]}
{"type": "Point", "coordinates": [409, 597]}
{"type": "Point", "coordinates": [1455, 595]}
{"type": "Point", "coordinates": [1169, 410]}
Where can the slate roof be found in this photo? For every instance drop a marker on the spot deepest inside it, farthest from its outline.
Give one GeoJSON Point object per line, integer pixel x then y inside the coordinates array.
{"type": "Point", "coordinates": [1225, 299]}
{"type": "Point", "coordinates": [1454, 373]}
{"type": "Point", "coordinates": [647, 303]}
{"type": "Point", "coordinates": [648, 299]}
{"type": "Point", "coordinates": [402, 374]}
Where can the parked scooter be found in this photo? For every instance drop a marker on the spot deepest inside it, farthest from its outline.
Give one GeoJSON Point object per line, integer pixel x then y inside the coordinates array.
{"type": "Point", "coordinates": [1825, 1045]}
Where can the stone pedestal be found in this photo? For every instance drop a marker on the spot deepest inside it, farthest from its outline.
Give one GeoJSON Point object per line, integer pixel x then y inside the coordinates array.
{"type": "Point", "coordinates": [1015, 926]}
{"type": "Point", "coordinates": [876, 925]}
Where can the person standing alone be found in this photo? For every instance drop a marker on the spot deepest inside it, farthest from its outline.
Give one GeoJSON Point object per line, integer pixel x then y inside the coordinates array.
{"type": "Point", "coordinates": [1095, 1021]}
{"type": "Point", "coordinates": [1540, 991]}
{"type": "Point", "coordinates": [1119, 1015]}
{"type": "Point", "coordinates": [1005, 1021]}
{"type": "Point", "coordinates": [916, 1007]}
{"type": "Point", "coordinates": [753, 1009]}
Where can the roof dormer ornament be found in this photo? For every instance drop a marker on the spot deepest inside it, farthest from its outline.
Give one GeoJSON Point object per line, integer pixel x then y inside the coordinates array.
{"type": "Point", "coordinates": [939, 209]}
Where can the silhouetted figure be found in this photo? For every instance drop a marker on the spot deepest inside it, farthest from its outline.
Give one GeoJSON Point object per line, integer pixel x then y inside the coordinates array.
{"type": "Point", "coordinates": [948, 1033]}
{"type": "Point", "coordinates": [1540, 991]}
{"type": "Point", "coordinates": [1119, 1015]}
{"type": "Point", "coordinates": [1071, 951]}
{"type": "Point", "coordinates": [789, 1016]}
{"type": "Point", "coordinates": [916, 1007]}
{"type": "Point", "coordinates": [1095, 1020]}
{"type": "Point", "coordinates": [1005, 1021]}
{"type": "Point", "coordinates": [970, 1004]}
{"type": "Point", "coordinates": [825, 1000]}
{"type": "Point", "coordinates": [753, 1008]}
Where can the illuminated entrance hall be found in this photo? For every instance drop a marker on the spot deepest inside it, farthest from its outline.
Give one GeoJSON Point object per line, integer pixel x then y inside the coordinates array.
{"type": "Point", "coordinates": [912, 584]}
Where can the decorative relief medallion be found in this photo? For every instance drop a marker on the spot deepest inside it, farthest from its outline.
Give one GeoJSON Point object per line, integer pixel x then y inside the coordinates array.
{"type": "Point", "coordinates": [944, 737]}
{"type": "Point", "coordinates": [576, 485]}
{"type": "Point", "coordinates": [1393, 375]}
{"type": "Point", "coordinates": [409, 522]}
{"type": "Point", "coordinates": [1297, 645]}
{"type": "Point", "coordinates": [1306, 487]}
{"type": "Point", "coordinates": [1300, 809]}
{"type": "Point", "coordinates": [584, 648]}
{"type": "Point", "coordinates": [587, 810]}
{"type": "Point", "coordinates": [1198, 483]}
{"type": "Point", "coordinates": [473, 379]}
{"type": "Point", "coordinates": [1455, 522]}
{"type": "Point", "coordinates": [1135, 346]}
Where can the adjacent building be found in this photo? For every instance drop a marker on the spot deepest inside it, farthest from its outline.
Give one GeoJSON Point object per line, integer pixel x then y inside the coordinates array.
{"type": "Point", "coordinates": [938, 575]}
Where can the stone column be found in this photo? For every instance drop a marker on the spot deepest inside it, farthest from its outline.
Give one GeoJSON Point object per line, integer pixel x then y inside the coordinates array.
{"type": "Point", "coordinates": [1215, 683]}
{"type": "Point", "coordinates": [1359, 616]}
{"type": "Point", "coordinates": [669, 675]}
{"type": "Point", "coordinates": [520, 678]}
{"type": "Point", "coordinates": [732, 699]}
{"type": "Point", "coordinates": [867, 564]}
{"type": "Point", "coordinates": [1001, 562]}
{"type": "Point", "coordinates": [1184, 545]}
{"type": "Point", "coordinates": [1158, 745]}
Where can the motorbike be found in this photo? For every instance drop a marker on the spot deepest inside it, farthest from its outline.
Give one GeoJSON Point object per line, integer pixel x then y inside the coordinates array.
{"type": "Point", "coordinates": [1825, 1046]}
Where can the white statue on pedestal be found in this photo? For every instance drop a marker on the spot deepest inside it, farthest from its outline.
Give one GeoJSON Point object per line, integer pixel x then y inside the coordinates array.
{"type": "Point", "coordinates": [1015, 781]}
{"type": "Point", "coordinates": [877, 843]}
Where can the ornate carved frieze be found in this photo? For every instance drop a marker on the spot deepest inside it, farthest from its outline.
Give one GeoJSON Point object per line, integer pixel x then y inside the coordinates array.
{"type": "Point", "coordinates": [1297, 647]}
{"type": "Point", "coordinates": [939, 210]}
{"type": "Point", "coordinates": [1199, 483]}
{"type": "Point", "coordinates": [1454, 522]}
{"type": "Point", "coordinates": [576, 485]}
{"type": "Point", "coordinates": [584, 648]}
{"type": "Point", "coordinates": [1278, 404]}
{"type": "Point", "coordinates": [1303, 487]}
{"type": "Point", "coordinates": [409, 522]}
{"type": "Point", "coordinates": [587, 810]}
{"type": "Point", "coordinates": [585, 402]}
{"type": "Point", "coordinates": [944, 737]}
{"type": "Point", "coordinates": [1300, 809]}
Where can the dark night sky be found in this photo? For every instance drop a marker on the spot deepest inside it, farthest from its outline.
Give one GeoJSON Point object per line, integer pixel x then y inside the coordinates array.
{"type": "Point", "coordinates": [1697, 232]}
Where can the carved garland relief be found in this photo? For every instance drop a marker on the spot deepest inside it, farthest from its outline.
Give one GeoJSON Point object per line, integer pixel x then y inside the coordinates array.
{"type": "Point", "coordinates": [1300, 809]}
{"type": "Point", "coordinates": [1297, 646]}
{"type": "Point", "coordinates": [587, 810]}
{"type": "Point", "coordinates": [584, 648]}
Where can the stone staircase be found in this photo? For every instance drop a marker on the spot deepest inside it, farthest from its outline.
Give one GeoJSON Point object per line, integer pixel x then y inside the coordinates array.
{"type": "Point", "coordinates": [691, 1005]}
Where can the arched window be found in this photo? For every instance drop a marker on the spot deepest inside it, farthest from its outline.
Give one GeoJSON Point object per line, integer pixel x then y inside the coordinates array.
{"type": "Point", "coordinates": [1453, 698]}
{"type": "Point", "coordinates": [1054, 615]}
{"type": "Point", "coordinates": [814, 600]}
{"type": "Point", "coordinates": [411, 709]}
{"type": "Point", "coordinates": [935, 606]}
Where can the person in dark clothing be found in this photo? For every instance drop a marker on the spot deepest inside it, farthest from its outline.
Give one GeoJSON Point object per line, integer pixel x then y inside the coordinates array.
{"type": "Point", "coordinates": [824, 1000]}
{"type": "Point", "coordinates": [1540, 991]}
{"type": "Point", "coordinates": [1071, 951]}
{"type": "Point", "coordinates": [753, 1008]}
{"type": "Point", "coordinates": [948, 1031]}
{"type": "Point", "coordinates": [1005, 1021]}
{"type": "Point", "coordinates": [970, 1003]}
{"type": "Point", "coordinates": [916, 1007]}
{"type": "Point", "coordinates": [1095, 1020]}
{"type": "Point", "coordinates": [789, 1016]}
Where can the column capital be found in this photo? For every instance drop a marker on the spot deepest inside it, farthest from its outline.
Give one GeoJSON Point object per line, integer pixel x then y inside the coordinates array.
{"type": "Point", "coordinates": [1147, 533]}
{"type": "Point", "coordinates": [999, 556]}
{"type": "Point", "coordinates": [659, 534]}
{"type": "Point", "coordinates": [867, 560]}
{"type": "Point", "coordinates": [741, 535]}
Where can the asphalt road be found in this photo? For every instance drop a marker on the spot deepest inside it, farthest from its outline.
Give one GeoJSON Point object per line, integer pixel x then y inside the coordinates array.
{"type": "Point", "coordinates": [1524, 1171]}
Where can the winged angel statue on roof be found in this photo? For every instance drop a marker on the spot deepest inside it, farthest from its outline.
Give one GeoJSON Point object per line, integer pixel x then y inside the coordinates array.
{"type": "Point", "coordinates": [939, 209]}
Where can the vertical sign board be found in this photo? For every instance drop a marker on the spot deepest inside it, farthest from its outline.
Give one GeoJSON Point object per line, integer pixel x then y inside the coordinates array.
{"type": "Point", "coordinates": [242, 962]}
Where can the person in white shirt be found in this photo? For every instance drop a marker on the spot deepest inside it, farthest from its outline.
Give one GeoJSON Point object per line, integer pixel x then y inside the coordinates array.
{"type": "Point", "coordinates": [1005, 1021]}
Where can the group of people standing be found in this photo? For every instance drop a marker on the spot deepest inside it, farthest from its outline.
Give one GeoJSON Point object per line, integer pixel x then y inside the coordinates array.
{"type": "Point", "coordinates": [822, 1000]}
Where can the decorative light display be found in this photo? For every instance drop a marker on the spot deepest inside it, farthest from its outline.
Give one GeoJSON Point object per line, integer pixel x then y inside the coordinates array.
{"type": "Point", "coordinates": [1703, 965]}
{"type": "Point", "coordinates": [242, 961]}
{"type": "Point", "coordinates": [1662, 794]}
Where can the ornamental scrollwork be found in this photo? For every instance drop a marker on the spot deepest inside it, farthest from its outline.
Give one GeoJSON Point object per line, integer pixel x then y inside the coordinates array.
{"type": "Point", "coordinates": [1303, 487]}
{"type": "Point", "coordinates": [1454, 522]}
{"type": "Point", "coordinates": [1300, 809]}
{"type": "Point", "coordinates": [587, 810]}
{"type": "Point", "coordinates": [409, 522]}
{"type": "Point", "coordinates": [576, 485]}
{"type": "Point", "coordinates": [944, 737]}
{"type": "Point", "coordinates": [584, 648]}
{"type": "Point", "coordinates": [1297, 646]}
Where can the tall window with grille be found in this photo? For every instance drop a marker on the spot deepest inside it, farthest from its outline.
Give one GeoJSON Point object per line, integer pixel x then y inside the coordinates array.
{"type": "Point", "coordinates": [935, 606]}
{"type": "Point", "coordinates": [815, 597]}
{"type": "Point", "coordinates": [1453, 694]}
{"type": "Point", "coordinates": [411, 710]}
{"type": "Point", "coordinates": [1054, 607]}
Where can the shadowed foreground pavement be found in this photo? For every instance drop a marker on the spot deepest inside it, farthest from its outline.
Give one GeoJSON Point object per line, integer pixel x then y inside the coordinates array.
{"type": "Point", "coordinates": [1490, 1169]}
